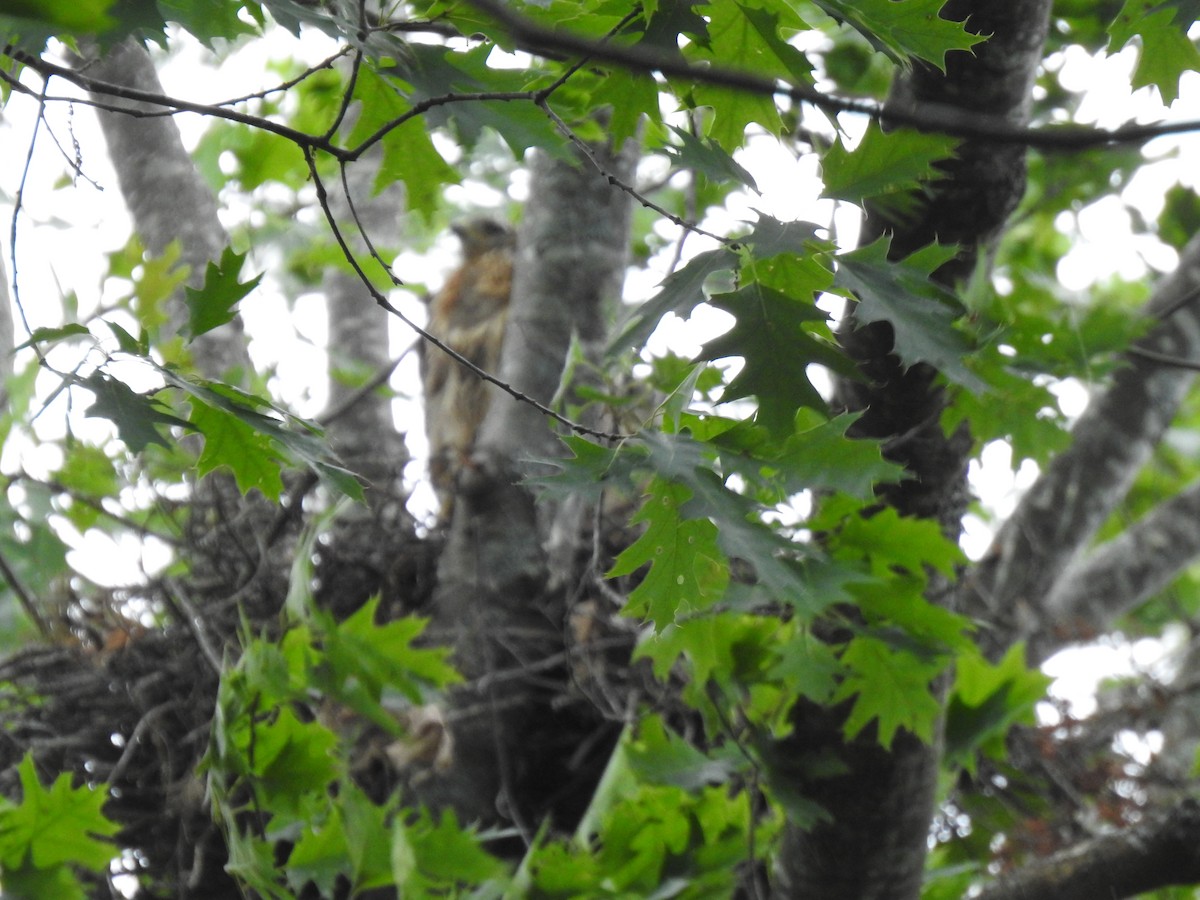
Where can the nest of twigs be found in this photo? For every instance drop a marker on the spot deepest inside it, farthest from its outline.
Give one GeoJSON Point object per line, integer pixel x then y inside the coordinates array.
{"type": "Point", "coordinates": [120, 702]}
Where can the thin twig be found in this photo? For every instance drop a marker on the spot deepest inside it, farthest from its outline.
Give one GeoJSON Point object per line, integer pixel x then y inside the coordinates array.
{"type": "Point", "coordinates": [363, 391]}
{"type": "Point", "coordinates": [24, 598]}
{"type": "Point", "coordinates": [323, 200]}
{"type": "Point", "coordinates": [193, 621]}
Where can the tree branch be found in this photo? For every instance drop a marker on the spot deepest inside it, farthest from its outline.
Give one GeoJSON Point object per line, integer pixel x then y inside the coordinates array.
{"type": "Point", "coordinates": [1112, 440]}
{"type": "Point", "coordinates": [946, 118]}
{"type": "Point", "coordinates": [1163, 851]}
{"type": "Point", "coordinates": [1117, 576]}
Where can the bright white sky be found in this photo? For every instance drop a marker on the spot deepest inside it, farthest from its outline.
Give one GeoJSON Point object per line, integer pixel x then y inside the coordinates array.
{"type": "Point", "coordinates": [64, 232]}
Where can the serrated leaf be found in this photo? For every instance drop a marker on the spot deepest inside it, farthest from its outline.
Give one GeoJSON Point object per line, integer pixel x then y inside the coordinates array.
{"type": "Point", "coordinates": [250, 455]}
{"type": "Point", "coordinates": [705, 156]}
{"type": "Point", "coordinates": [81, 16]}
{"type": "Point", "coordinates": [139, 346]}
{"type": "Point", "coordinates": [446, 854]}
{"type": "Point", "coordinates": [1166, 50]}
{"type": "Point", "coordinates": [770, 237]}
{"type": "Point", "coordinates": [904, 28]}
{"type": "Point", "coordinates": [769, 335]}
{"type": "Point", "coordinates": [362, 659]}
{"type": "Point", "coordinates": [213, 305]}
{"type": "Point", "coordinates": [56, 825]}
{"type": "Point", "coordinates": [751, 37]}
{"type": "Point", "coordinates": [889, 687]}
{"type": "Point", "coordinates": [629, 95]}
{"type": "Point", "coordinates": [741, 533]}
{"type": "Point", "coordinates": [320, 856]}
{"type": "Point", "coordinates": [883, 162]}
{"type": "Point", "coordinates": [822, 458]}
{"type": "Point", "coordinates": [680, 293]}
{"type": "Point", "coordinates": [687, 570]}
{"type": "Point", "coordinates": [808, 665]}
{"type": "Point", "coordinates": [431, 72]}
{"type": "Point", "coordinates": [890, 540]}
{"type": "Point", "coordinates": [986, 701]}
{"type": "Point", "coordinates": [292, 761]}
{"type": "Point", "coordinates": [409, 155]}
{"type": "Point", "coordinates": [922, 314]}
{"type": "Point", "coordinates": [295, 435]}
{"type": "Point", "coordinates": [209, 20]}
{"type": "Point", "coordinates": [137, 417]}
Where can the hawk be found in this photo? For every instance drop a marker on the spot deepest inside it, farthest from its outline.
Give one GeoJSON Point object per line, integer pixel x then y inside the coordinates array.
{"type": "Point", "coordinates": [469, 315]}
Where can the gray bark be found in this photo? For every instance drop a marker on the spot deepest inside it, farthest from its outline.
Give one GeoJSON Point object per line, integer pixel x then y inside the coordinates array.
{"type": "Point", "coordinates": [1117, 576]}
{"type": "Point", "coordinates": [1016, 586]}
{"type": "Point", "coordinates": [882, 806]}
{"type": "Point", "coordinates": [363, 429]}
{"type": "Point", "coordinates": [492, 598]}
{"type": "Point", "coordinates": [1155, 854]}
{"type": "Point", "coordinates": [166, 196]}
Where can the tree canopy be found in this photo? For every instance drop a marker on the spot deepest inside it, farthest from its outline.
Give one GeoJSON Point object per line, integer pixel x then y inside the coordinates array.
{"type": "Point", "coordinates": [701, 622]}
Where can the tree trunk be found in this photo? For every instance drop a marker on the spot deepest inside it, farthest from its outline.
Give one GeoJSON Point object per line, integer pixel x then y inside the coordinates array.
{"type": "Point", "coordinates": [512, 746]}
{"type": "Point", "coordinates": [875, 845]}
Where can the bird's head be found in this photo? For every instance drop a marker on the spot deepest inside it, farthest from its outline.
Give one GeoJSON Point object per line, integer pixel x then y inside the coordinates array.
{"type": "Point", "coordinates": [480, 234]}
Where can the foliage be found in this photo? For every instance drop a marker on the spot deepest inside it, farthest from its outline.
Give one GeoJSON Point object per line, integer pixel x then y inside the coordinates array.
{"type": "Point", "coordinates": [49, 833]}
{"type": "Point", "coordinates": [765, 569]}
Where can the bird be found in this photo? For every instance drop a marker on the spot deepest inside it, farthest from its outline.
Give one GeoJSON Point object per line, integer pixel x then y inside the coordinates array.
{"type": "Point", "coordinates": [469, 315]}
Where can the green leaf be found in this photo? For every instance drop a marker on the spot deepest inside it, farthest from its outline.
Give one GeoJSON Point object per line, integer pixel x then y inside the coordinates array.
{"type": "Point", "coordinates": [79, 16]}
{"type": "Point", "coordinates": [687, 570]}
{"type": "Point", "coordinates": [629, 95]}
{"type": "Point", "coordinates": [249, 454]}
{"type": "Point", "coordinates": [657, 756]}
{"type": "Point", "coordinates": [808, 666]}
{"type": "Point", "coordinates": [445, 854]}
{"type": "Point", "coordinates": [87, 472]}
{"type": "Point", "coordinates": [770, 336]}
{"type": "Point", "coordinates": [369, 839]}
{"type": "Point", "coordinates": [904, 28]}
{"type": "Point", "coordinates": [890, 540]}
{"type": "Point", "coordinates": [890, 687]}
{"type": "Point", "coordinates": [820, 457]}
{"type": "Point", "coordinates": [138, 418]}
{"type": "Point", "coordinates": [293, 762]}
{"type": "Point", "coordinates": [362, 659]}
{"type": "Point", "coordinates": [679, 293]}
{"type": "Point", "coordinates": [54, 335]}
{"type": "Point", "coordinates": [922, 314]}
{"type": "Point", "coordinates": [408, 152]}
{"type": "Point", "coordinates": [883, 162]}
{"type": "Point", "coordinates": [986, 701]}
{"type": "Point", "coordinates": [1166, 50]}
{"type": "Point", "coordinates": [55, 826]}
{"type": "Point", "coordinates": [741, 532]}
{"type": "Point", "coordinates": [209, 20]}
{"type": "Point", "coordinates": [27, 882]}
{"type": "Point", "coordinates": [705, 156]}
{"type": "Point", "coordinates": [139, 346]}
{"type": "Point", "coordinates": [434, 71]}
{"type": "Point", "coordinates": [293, 434]}
{"type": "Point", "coordinates": [213, 305]}
{"type": "Point", "coordinates": [320, 856]}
